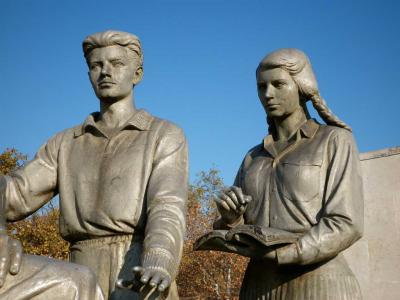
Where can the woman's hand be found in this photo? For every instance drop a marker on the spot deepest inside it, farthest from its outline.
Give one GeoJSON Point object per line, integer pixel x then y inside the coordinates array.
{"type": "Point", "coordinates": [231, 204]}
{"type": "Point", "coordinates": [250, 248]}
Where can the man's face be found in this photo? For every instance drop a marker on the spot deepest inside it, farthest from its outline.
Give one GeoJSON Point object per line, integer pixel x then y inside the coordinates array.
{"type": "Point", "coordinates": [112, 72]}
{"type": "Point", "coordinates": [278, 92]}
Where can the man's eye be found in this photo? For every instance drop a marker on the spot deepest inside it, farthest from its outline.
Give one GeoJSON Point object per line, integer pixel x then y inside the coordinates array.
{"type": "Point", "coordinates": [118, 64]}
{"type": "Point", "coordinates": [94, 66]}
{"type": "Point", "coordinates": [261, 86]}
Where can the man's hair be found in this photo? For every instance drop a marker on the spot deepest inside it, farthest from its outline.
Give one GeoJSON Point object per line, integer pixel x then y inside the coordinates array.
{"type": "Point", "coordinates": [113, 38]}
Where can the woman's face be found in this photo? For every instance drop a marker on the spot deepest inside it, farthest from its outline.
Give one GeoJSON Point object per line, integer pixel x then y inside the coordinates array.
{"type": "Point", "coordinates": [278, 93]}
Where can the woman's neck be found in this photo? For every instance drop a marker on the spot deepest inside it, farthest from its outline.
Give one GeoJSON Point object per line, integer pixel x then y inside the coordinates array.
{"type": "Point", "coordinates": [286, 127]}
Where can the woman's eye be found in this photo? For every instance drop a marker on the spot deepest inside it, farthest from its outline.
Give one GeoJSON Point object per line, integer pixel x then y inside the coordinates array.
{"type": "Point", "coordinates": [279, 84]}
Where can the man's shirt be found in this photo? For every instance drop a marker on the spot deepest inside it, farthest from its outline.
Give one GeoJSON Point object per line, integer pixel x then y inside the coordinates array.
{"type": "Point", "coordinates": [133, 182]}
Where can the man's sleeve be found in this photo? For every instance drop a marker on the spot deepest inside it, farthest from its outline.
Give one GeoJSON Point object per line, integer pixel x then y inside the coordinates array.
{"type": "Point", "coordinates": [166, 204]}
{"type": "Point", "coordinates": [342, 214]}
{"type": "Point", "coordinates": [27, 189]}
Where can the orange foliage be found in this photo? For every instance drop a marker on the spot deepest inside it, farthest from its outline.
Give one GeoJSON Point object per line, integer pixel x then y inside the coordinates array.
{"type": "Point", "coordinates": [39, 234]}
{"type": "Point", "coordinates": [207, 274]}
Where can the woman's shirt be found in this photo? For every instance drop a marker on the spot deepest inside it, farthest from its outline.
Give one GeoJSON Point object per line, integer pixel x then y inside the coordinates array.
{"type": "Point", "coordinates": [313, 187]}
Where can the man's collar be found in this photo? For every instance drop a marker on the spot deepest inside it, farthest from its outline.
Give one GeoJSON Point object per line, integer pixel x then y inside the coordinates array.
{"type": "Point", "coordinates": [307, 130]}
{"type": "Point", "coordinates": [139, 120]}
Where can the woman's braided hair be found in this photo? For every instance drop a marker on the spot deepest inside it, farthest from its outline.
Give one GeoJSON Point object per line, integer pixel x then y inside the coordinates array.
{"type": "Point", "coordinates": [297, 64]}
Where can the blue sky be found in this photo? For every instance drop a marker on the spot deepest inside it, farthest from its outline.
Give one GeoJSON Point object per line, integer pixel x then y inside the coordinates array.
{"type": "Point", "coordinates": [199, 67]}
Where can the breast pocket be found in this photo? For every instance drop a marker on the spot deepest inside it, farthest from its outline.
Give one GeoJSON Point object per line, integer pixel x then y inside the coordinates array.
{"type": "Point", "coordinates": [300, 180]}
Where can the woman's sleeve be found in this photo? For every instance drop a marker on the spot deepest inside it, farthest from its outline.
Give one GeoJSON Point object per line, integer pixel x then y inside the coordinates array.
{"type": "Point", "coordinates": [341, 218]}
{"type": "Point", "coordinates": [219, 223]}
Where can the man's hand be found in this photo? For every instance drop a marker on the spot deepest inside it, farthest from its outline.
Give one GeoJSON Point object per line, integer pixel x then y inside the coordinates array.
{"type": "Point", "coordinates": [10, 256]}
{"type": "Point", "coordinates": [231, 204]}
{"type": "Point", "coordinates": [147, 281]}
{"type": "Point", "coordinates": [154, 277]}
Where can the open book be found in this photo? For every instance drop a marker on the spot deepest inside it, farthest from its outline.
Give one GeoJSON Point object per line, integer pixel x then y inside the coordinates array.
{"type": "Point", "coordinates": [229, 240]}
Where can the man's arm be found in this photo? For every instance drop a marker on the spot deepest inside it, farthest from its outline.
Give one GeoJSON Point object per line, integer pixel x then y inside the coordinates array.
{"type": "Point", "coordinates": [166, 210]}
{"type": "Point", "coordinates": [22, 193]}
{"type": "Point", "coordinates": [27, 189]}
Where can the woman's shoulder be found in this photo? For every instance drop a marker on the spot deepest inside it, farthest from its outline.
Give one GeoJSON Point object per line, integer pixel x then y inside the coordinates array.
{"type": "Point", "coordinates": [336, 138]}
{"type": "Point", "coordinates": [335, 133]}
{"type": "Point", "coordinates": [255, 150]}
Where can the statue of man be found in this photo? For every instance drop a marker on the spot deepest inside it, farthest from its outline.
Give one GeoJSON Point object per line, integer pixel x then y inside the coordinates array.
{"type": "Point", "coordinates": [41, 278]}
{"type": "Point", "coordinates": [121, 177]}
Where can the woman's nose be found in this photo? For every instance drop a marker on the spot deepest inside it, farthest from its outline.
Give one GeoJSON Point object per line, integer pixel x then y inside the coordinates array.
{"type": "Point", "coordinates": [269, 91]}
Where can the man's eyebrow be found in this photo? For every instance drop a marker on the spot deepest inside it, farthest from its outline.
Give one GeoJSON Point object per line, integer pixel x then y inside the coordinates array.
{"type": "Point", "coordinates": [116, 59]}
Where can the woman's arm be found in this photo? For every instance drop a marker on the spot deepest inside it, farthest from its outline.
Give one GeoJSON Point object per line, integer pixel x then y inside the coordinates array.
{"type": "Point", "coordinates": [341, 220]}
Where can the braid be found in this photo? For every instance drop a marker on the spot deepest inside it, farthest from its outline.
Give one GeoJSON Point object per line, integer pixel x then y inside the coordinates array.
{"type": "Point", "coordinates": [325, 113]}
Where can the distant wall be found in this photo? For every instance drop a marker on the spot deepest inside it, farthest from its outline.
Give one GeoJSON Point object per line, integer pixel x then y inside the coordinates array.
{"type": "Point", "coordinates": [375, 259]}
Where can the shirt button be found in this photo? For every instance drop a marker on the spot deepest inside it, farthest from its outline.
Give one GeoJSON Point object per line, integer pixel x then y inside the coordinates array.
{"type": "Point", "coordinates": [274, 218]}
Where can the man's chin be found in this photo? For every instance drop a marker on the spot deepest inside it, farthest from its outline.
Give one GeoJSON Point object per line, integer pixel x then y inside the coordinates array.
{"type": "Point", "coordinates": [109, 99]}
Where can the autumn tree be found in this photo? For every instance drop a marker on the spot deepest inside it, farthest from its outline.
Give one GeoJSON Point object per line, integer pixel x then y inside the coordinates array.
{"type": "Point", "coordinates": [39, 234]}
{"type": "Point", "coordinates": [207, 274]}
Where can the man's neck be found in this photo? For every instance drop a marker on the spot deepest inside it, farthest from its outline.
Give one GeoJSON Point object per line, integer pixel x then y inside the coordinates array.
{"type": "Point", "coordinates": [116, 114]}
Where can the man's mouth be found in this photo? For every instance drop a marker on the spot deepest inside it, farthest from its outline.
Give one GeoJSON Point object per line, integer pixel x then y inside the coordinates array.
{"type": "Point", "coordinates": [106, 83]}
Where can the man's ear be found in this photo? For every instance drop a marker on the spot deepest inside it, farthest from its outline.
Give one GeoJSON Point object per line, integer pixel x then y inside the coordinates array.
{"type": "Point", "coordinates": [138, 76]}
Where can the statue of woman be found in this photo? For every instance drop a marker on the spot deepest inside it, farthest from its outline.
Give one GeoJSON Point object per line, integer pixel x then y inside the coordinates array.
{"type": "Point", "coordinates": [304, 178]}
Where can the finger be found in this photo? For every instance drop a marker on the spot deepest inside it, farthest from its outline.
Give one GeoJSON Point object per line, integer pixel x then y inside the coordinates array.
{"type": "Point", "coordinates": [146, 276]}
{"type": "Point", "coordinates": [155, 280]}
{"type": "Point", "coordinates": [4, 258]}
{"type": "Point", "coordinates": [123, 284]}
{"type": "Point", "coordinates": [221, 203]}
{"type": "Point", "coordinates": [231, 203]}
{"type": "Point", "coordinates": [16, 257]}
{"type": "Point", "coordinates": [239, 194]}
{"type": "Point", "coordinates": [138, 270]}
{"type": "Point", "coordinates": [233, 197]}
{"type": "Point", "coordinates": [248, 199]}
{"type": "Point", "coordinates": [242, 209]}
{"type": "Point", "coordinates": [243, 239]}
{"type": "Point", "coordinates": [164, 284]}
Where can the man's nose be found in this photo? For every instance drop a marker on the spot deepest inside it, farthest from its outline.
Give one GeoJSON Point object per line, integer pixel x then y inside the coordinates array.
{"type": "Point", "coordinates": [106, 70]}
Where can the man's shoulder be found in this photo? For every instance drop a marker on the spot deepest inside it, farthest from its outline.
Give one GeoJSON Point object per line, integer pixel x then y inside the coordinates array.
{"type": "Point", "coordinates": [66, 133]}
{"type": "Point", "coordinates": [165, 127]}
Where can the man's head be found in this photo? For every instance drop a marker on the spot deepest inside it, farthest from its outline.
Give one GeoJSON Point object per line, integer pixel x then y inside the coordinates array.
{"type": "Point", "coordinates": [115, 63]}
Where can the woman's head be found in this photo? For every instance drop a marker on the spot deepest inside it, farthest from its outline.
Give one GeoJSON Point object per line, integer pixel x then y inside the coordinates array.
{"type": "Point", "coordinates": [296, 63]}
{"type": "Point", "coordinates": [298, 66]}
